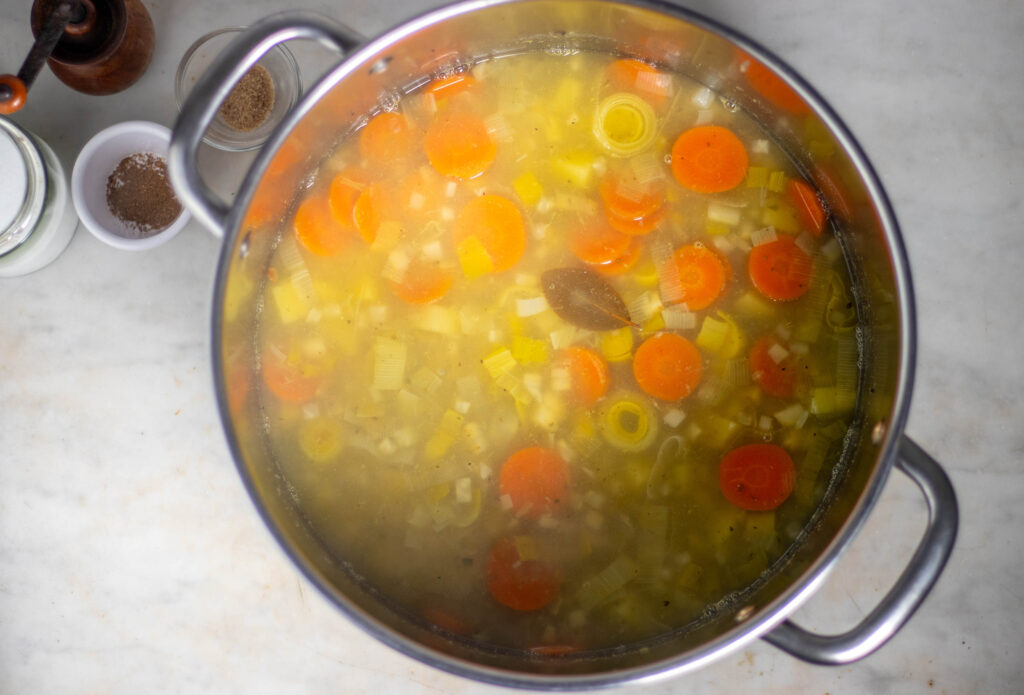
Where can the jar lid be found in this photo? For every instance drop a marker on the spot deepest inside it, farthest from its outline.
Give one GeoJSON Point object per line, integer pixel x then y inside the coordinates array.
{"type": "Point", "coordinates": [22, 186]}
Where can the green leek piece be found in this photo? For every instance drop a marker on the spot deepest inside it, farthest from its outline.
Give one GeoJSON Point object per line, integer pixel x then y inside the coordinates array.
{"type": "Point", "coordinates": [625, 124]}
{"type": "Point", "coordinates": [628, 424]}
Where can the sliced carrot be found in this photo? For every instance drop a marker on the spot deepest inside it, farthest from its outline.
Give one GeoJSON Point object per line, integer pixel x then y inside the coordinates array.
{"type": "Point", "coordinates": [709, 159]}
{"type": "Point", "coordinates": [287, 382]}
{"type": "Point", "coordinates": [554, 650]}
{"type": "Point", "coordinates": [447, 621]}
{"type": "Point", "coordinates": [639, 77]}
{"type": "Point", "coordinates": [316, 228]}
{"type": "Point", "coordinates": [498, 224]}
{"type": "Point", "coordinates": [776, 378]}
{"type": "Point", "coordinates": [522, 585]}
{"type": "Point", "coordinates": [369, 210]}
{"type": "Point", "coordinates": [457, 144]}
{"type": "Point", "coordinates": [757, 477]}
{"type": "Point", "coordinates": [638, 226]}
{"type": "Point", "coordinates": [624, 197]}
{"type": "Point", "coordinates": [423, 282]}
{"type": "Point", "coordinates": [536, 481]}
{"type": "Point", "coordinates": [667, 366]}
{"type": "Point", "coordinates": [447, 87]}
{"type": "Point", "coordinates": [774, 88]}
{"type": "Point", "coordinates": [698, 276]}
{"type": "Point", "coordinates": [387, 140]}
{"type": "Point", "coordinates": [597, 243]}
{"type": "Point", "coordinates": [807, 204]}
{"type": "Point", "coordinates": [780, 269]}
{"type": "Point", "coordinates": [624, 262]}
{"type": "Point", "coordinates": [343, 193]}
{"type": "Point", "coordinates": [588, 374]}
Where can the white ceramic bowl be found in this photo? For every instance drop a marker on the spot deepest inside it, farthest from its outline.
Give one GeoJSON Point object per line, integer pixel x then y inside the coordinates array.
{"type": "Point", "coordinates": [97, 161]}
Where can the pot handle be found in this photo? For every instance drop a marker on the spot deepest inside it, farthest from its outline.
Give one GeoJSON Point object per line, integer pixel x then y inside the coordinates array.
{"type": "Point", "coordinates": [216, 83]}
{"type": "Point", "coordinates": [910, 589]}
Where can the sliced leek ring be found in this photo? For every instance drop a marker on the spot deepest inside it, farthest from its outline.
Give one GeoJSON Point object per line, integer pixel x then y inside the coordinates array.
{"type": "Point", "coordinates": [625, 124]}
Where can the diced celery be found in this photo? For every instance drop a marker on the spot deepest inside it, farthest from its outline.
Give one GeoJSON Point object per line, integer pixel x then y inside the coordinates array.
{"type": "Point", "coordinates": [752, 305]}
{"type": "Point", "coordinates": [777, 181]}
{"type": "Point", "coordinates": [388, 364]}
{"type": "Point", "coordinates": [436, 318]}
{"type": "Point", "coordinates": [528, 188]}
{"type": "Point", "coordinates": [438, 445]}
{"type": "Point", "coordinates": [717, 229]}
{"type": "Point", "coordinates": [830, 400]}
{"type": "Point", "coordinates": [499, 362]}
{"type": "Point", "coordinates": [757, 177]}
{"type": "Point", "coordinates": [529, 350]}
{"type": "Point", "coordinates": [425, 380]}
{"type": "Point", "coordinates": [602, 585]}
{"type": "Point", "coordinates": [782, 218]}
{"type": "Point", "coordinates": [720, 336]}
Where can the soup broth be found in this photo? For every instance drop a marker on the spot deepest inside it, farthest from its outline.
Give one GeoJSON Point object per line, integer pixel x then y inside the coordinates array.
{"type": "Point", "coordinates": [557, 353]}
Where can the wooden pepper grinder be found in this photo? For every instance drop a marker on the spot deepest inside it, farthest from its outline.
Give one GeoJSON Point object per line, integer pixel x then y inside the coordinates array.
{"type": "Point", "coordinates": [93, 46]}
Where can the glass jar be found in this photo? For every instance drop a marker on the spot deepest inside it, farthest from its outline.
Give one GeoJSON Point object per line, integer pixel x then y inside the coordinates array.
{"type": "Point", "coordinates": [37, 217]}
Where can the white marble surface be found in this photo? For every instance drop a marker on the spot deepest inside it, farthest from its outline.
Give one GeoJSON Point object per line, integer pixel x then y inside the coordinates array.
{"type": "Point", "coordinates": [131, 559]}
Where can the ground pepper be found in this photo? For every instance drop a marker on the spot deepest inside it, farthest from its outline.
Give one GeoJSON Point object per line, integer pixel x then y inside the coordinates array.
{"type": "Point", "coordinates": [250, 102]}
{"type": "Point", "coordinates": [139, 194]}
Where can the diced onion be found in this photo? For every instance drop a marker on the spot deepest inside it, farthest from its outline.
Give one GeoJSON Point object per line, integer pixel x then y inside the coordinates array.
{"type": "Point", "coordinates": [388, 364]}
{"type": "Point", "coordinates": [703, 97]}
{"type": "Point", "coordinates": [674, 417]}
{"type": "Point", "coordinates": [531, 306]}
{"type": "Point", "coordinates": [794, 415]}
{"type": "Point", "coordinates": [777, 353]}
{"type": "Point", "coordinates": [726, 214]}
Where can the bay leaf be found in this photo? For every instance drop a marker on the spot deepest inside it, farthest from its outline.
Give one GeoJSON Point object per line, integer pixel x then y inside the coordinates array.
{"type": "Point", "coordinates": [584, 299]}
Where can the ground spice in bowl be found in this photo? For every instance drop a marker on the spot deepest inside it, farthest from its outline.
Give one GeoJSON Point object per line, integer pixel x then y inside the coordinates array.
{"type": "Point", "coordinates": [250, 102]}
{"type": "Point", "coordinates": [139, 194]}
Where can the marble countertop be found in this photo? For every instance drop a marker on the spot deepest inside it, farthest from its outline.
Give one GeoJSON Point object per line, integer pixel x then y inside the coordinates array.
{"type": "Point", "coordinates": [132, 560]}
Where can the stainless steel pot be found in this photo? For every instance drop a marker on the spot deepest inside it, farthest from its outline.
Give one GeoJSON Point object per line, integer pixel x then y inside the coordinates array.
{"type": "Point", "coordinates": [371, 74]}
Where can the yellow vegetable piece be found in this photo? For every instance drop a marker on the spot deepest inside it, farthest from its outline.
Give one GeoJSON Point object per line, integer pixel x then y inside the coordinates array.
{"type": "Point", "coordinates": [438, 445]}
{"type": "Point", "coordinates": [617, 345]}
{"type": "Point", "coordinates": [757, 177]}
{"type": "Point", "coordinates": [473, 257]}
{"type": "Point", "coordinates": [290, 303]}
{"type": "Point", "coordinates": [721, 336]}
{"type": "Point", "coordinates": [777, 181]}
{"type": "Point", "coordinates": [528, 188]}
{"type": "Point", "coordinates": [782, 218]}
{"type": "Point", "coordinates": [529, 350]}
{"type": "Point", "coordinates": [576, 168]}
{"type": "Point", "coordinates": [320, 439]}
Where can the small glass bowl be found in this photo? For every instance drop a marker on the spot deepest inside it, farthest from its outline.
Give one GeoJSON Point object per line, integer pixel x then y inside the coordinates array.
{"type": "Point", "coordinates": [279, 62]}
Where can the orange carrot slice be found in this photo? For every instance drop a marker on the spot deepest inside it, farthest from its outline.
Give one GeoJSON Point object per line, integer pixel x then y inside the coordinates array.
{"type": "Point", "coordinates": [809, 209]}
{"type": "Point", "coordinates": [287, 382]}
{"type": "Point", "coordinates": [667, 366]}
{"type": "Point", "coordinates": [757, 477]}
{"type": "Point", "coordinates": [369, 209]}
{"type": "Point", "coordinates": [640, 78]}
{"type": "Point", "coordinates": [498, 224]}
{"type": "Point", "coordinates": [597, 243]}
{"type": "Point", "coordinates": [536, 481]}
{"type": "Point", "coordinates": [638, 226]}
{"type": "Point", "coordinates": [780, 269]}
{"type": "Point", "coordinates": [457, 144]}
{"type": "Point", "coordinates": [700, 273]}
{"type": "Point", "coordinates": [626, 198]}
{"type": "Point", "coordinates": [623, 263]}
{"type": "Point", "coordinates": [709, 159]}
{"type": "Point", "coordinates": [343, 193]}
{"type": "Point", "coordinates": [776, 378]}
{"type": "Point", "coordinates": [522, 585]}
{"type": "Point", "coordinates": [423, 282]}
{"type": "Point", "coordinates": [774, 88]}
{"type": "Point", "coordinates": [387, 140]}
{"type": "Point", "coordinates": [588, 374]}
{"type": "Point", "coordinates": [316, 229]}
{"type": "Point", "coordinates": [446, 87]}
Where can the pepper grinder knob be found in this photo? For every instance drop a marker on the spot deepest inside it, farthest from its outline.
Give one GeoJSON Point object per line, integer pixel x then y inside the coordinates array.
{"type": "Point", "coordinates": [107, 48]}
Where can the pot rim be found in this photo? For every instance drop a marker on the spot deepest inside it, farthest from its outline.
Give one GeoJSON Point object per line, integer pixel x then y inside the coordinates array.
{"type": "Point", "coordinates": [769, 615]}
